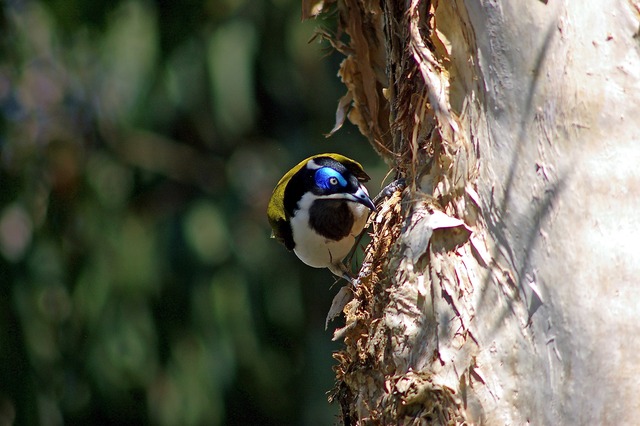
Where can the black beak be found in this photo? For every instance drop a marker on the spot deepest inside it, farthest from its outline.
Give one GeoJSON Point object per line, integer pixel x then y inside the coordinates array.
{"type": "Point", "coordinates": [362, 197]}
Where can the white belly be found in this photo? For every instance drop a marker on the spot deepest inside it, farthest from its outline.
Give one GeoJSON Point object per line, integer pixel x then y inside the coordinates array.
{"type": "Point", "coordinates": [318, 251]}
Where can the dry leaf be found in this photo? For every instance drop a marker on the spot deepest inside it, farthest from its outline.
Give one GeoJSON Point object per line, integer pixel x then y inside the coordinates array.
{"type": "Point", "coordinates": [341, 113]}
{"type": "Point", "coordinates": [311, 8]}
{"type": "Point", "coordinates": [344, 296]}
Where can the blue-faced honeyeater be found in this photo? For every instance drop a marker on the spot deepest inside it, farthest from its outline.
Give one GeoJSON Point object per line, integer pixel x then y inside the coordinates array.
{"type": "Point", "coordinates": [318, 209]}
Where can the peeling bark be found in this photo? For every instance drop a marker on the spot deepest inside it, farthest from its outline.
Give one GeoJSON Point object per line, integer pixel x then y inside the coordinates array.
{"type": "Point", "coordinates": [501, 286]}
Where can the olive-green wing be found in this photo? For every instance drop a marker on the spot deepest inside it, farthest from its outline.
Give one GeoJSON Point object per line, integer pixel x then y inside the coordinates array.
{"type": "Point", "coordinates": [281, 230]}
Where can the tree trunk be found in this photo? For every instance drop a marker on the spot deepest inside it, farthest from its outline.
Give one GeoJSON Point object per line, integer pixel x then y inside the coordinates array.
{"type": "Point", "coordinates": [501, 286]}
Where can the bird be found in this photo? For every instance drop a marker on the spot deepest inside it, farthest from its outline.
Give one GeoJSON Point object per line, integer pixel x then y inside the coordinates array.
{"type": "Point", "coordinates": [318, 209]}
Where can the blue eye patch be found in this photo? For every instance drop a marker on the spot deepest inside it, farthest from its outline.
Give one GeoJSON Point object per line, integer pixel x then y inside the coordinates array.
{"type": "Point", "coordinates": [327, 178]}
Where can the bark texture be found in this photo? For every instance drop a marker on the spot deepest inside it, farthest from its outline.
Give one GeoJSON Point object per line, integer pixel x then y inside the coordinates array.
{"type": "Point", "coordinates": [501, 287]}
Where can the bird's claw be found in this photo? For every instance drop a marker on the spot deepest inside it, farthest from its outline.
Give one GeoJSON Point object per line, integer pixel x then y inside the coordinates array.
{"type": "Point", "coordinates": [341, 271]}
{"type": "Point", "coordinates": [390, 189]}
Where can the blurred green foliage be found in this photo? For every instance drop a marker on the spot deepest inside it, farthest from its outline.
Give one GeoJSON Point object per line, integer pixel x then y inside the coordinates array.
{"type": "Point", "coordinates": [139, 144]}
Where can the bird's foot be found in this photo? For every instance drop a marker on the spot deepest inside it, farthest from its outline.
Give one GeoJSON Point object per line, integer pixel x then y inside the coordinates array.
{"type": "Point", "coordinates": [390, 189]}
{"type": "Point", "coordinates": [340, 270]}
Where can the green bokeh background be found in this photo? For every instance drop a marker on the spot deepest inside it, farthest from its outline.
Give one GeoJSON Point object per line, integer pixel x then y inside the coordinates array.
{"type": "Point", "coordinates": [139, 144]}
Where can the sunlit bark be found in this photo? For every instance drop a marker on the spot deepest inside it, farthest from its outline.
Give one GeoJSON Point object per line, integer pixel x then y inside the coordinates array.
{"type": "Point", "coordinates": [501, 286]}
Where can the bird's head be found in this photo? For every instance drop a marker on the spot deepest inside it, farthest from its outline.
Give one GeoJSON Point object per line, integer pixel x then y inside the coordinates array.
{"type": "Point", "coordinates": [328, 178]}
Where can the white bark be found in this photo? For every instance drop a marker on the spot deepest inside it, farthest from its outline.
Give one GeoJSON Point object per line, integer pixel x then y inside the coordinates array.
{"type": "Point", "coordinates": [558, 129]}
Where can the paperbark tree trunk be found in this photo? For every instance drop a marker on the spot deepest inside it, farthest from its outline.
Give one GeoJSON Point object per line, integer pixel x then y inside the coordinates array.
{"type": "Point", "coordinates": [502, 287]}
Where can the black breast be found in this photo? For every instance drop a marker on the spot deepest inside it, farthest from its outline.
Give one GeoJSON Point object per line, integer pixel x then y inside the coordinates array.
{"type": "Point", "coordinates": [331, 218]}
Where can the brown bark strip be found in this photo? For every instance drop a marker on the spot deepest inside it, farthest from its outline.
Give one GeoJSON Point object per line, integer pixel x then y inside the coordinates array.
{"type": "Point", "coordinates": [409, 326]}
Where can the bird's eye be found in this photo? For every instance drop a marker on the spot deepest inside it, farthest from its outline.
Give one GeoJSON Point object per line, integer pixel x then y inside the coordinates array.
{"type": "Point", "coordinates": [329, 179]}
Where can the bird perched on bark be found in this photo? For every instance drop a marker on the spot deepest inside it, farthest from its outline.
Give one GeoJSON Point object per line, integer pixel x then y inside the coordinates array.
{"type": "Point", "coordinates": [318, 209]}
